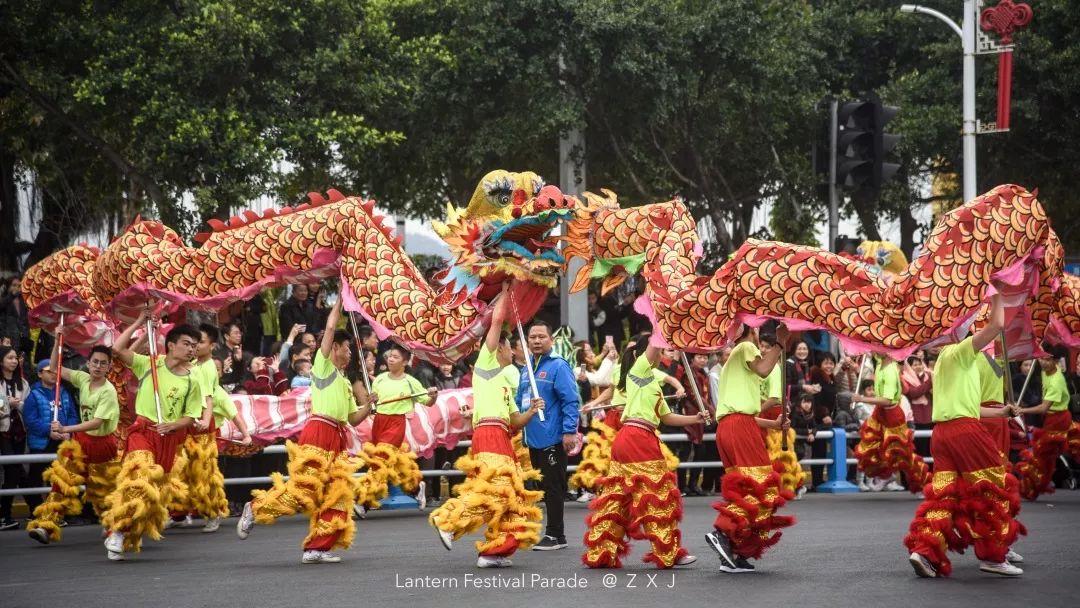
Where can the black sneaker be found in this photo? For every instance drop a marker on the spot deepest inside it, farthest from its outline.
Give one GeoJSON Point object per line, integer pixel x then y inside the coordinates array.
{"type": "Point", "coordinates": [742, 565]}
{"type": "Point", "coordinates": [722, 545]}
{"type": "Point", "coordinates": [549, 543]}
{"type": "Point", "coordinates": [8, 524]}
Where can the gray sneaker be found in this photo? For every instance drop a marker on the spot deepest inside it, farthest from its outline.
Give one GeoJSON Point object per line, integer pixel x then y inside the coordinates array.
{"type": "Point", "coordinates": [40, 535]}
{"type": "Point", "coordinates": [246, 523]}
{"type": "Point", "coordinates": [549, 543]}
{"type": "Point", "coordinates": [922, 566]}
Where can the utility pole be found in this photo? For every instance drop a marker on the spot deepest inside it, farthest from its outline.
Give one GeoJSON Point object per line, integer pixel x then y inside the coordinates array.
{"type": "Point", "coordinates": [573, 307]}
{"type": "Point", "coordinates": [834, 203]}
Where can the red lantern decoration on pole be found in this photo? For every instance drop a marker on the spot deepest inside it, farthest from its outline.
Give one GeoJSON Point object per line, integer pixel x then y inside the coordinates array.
{"type": "Point", "coordinates": [1003, 20]}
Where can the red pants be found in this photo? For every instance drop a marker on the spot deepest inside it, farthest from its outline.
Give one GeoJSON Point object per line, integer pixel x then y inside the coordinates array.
{"type": "Point", "coordinates": [492, 439]}
{"type": "Point", "coordinates": [971, 500]}
{"type": "Point", "coordinates": [96, 449]}
{"type": "Point", "coordinates": [750, 488]}
{"type": "Point", "coordinates": [388, 428]}
{"type": "Point", "coordinates": [998, 428]}
{"type": "Point", "coordinates": [142, 436]}
{"type": "Point", "coordinates": [887, 446]}
{"type": "Point", "coordinates": [613, 418]}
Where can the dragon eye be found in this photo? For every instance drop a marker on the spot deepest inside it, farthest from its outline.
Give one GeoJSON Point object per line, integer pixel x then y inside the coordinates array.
{"type": "Point", "coordinates": [504, 198]}
{"type": "Point", "coordinates": [537, 185]}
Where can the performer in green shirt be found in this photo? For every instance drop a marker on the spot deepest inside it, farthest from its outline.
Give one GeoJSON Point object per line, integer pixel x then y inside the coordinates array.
{"type": "Point", "coordinates": [493, 493]}
{"type": "Point", "coordinates": [321, 483]}
{"type": "Point", "coordinates": [88, 454]}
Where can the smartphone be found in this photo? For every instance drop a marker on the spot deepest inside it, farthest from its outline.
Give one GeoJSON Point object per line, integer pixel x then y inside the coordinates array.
{"type": "Point", "coordinates": [331, 299]}
{"type": "Point", "coordinates": [609, 340]}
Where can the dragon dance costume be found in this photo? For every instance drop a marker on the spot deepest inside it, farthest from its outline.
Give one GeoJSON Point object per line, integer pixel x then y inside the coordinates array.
{"type": "Point", "coordinates": [792, 476]}
{"type": "Point", "coordinates": [1058, 434]}
{"type": "Point", "coordinates": [321, 483]}
{"type": "Point", "coordinates": [137, 507]}
{"type": "Point", "coordinates": [640, 496]}
{"type": "Point", "coordinates": [992, 390]}
{"type": "Point", "coordinates": [87, 458]}
{"type": "Point", "coordinates": [388, 457]}
{"type": "Point", "coordinates": [886, 444]}
{"type": "Point", "coordinates": [197, 464]}
{"type": "Point", "coordinates": [971, 499]}
{"type": "Point", "coordinates": [493, 493]}
{"type": "Point", "coordinates": [751, 488]}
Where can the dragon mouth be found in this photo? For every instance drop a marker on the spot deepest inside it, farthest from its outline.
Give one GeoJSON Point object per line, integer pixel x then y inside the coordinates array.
{"type": "Point", "coordinates": [527, 244]}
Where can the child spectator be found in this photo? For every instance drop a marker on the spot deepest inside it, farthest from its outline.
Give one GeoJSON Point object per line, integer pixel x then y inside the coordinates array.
{"type": "Point", "coordinates": [302, 369]}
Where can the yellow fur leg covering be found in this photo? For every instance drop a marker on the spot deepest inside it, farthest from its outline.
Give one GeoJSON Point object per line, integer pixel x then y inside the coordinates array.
{"type": "Point", "coordinates": [206, 484]}
{"type": "Point", "coordinates": [522, 451]}
{"type": "Point", "coordinates": [100, 483]}
{"type": "Point", "coordinates": [309, 472]}
{"type": "Point", "coordinates": [66, 474]}
{"type": "Point", "coordinates": [137, 506]}
{"type": "Point", "coordinates": [595, 458]}
{"type": "Point", "coordinates": [178, 501]}
{"type": "Point", "coordinates": [792, 477]}
{"type": "Point", "coordinates": [340, 491]}
{"type": "Point", "coordinates": [386, 464]}
{"type": "Point", "coordinates": [494, 494]}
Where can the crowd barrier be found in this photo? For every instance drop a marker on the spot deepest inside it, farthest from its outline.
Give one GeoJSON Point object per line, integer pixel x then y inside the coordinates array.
{"type": "Point", "coordinates": [837, 467]}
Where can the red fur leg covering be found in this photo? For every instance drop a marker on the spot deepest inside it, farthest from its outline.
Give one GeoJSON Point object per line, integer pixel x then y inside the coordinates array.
{"type": "Point", "coordinates": [1073, 440]}
{"type": "Point", "coordinates": [1036, 466]}
{"type": "Point", "coordinates": [898, 450]}
{"type": "Point", "coordinates": [868, 451]}
{"type": "Point", "coordinates": [752, 495]}
{"type": "Point", "coordinates": [985, 516]}
{"type": "Point", "coordinates": [931, 533]}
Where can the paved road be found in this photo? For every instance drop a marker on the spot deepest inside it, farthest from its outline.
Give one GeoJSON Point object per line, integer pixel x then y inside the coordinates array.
{"type": "Point", "coordinates": [845, 551]}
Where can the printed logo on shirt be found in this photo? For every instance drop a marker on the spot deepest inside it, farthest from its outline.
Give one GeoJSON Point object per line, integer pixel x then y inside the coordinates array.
{"type": "Point", "coordinates": [542, 375]}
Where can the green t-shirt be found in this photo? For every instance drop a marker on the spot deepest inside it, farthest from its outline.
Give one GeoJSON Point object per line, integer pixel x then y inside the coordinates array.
{"type": "Point", "coordinates": [1055, 391]}
{"type": "Point", "coordinates": [206, 375]}
{"type": "Point", "coordinates": [180, 395]}
{"type": "Point", "coordinates": [493, 390]}
{"type": "Point", "coordinates": [772, 386]}
{"type": "Point", "coordinates": [740, 386]}
{"type": "Point", "coordinates": [388, 388]}
{"type": "Point", "coordinates": [331, 393]}
{"type": "Point", "coordinates": [618, 398]}
{"type": "Point", "coordinates": [887, 381]}
{"type": "Point", "coordinates": [991, 388]}
{"type": "Point", "coordinates": [957, 392]}
{"type": "Point", "coordinates": [644, 395]}
{"type": "Point", "coordinates": [224, 408]}
{"type": "Point", "coordinates": [100, 402]}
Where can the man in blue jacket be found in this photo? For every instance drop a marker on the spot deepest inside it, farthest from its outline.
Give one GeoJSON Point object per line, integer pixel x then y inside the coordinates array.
{"type": "Point", "coordinates": [37, 415]}
{"type": "Point", "coordinates": [551, 438]}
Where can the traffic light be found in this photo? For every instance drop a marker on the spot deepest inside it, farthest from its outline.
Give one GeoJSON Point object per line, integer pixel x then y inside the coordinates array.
{"type": "Point", "coordinates": [862, 146]}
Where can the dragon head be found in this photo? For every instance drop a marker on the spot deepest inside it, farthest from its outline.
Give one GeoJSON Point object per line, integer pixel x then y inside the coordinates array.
{"type": "Point", "coordinates": [505, 232]}
{"type": "Point", "coordinates": [883, 255]}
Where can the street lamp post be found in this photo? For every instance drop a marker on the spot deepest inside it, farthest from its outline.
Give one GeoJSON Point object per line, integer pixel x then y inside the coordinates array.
{"type": "Point", "coordinates": [967, 36]}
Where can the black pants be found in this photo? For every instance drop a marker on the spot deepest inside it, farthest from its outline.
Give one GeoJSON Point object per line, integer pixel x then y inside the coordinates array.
{"type": "Point", "coordinates": [551, 462]}
{"type": "Point", "coordinates": [14, 474]}
{"type": "Point", "coordinates": [710, 479]}
{"type": "Point", "coordinates": [689, 478]}
{"type": "Point", "coordinates": [819, 448]}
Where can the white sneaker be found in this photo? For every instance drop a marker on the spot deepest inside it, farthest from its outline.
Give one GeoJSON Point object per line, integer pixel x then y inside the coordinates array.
{"type": "Point", "coordinates": [1004, 568]}
{"type": "Point", "coordinates": [246, 522]}
{"type": "Point", "coordinates": [922, 566]}
{"type": "Point", "coordinates": [319, 557]}
{"type": "Point", "coordinates": [686, 560]}
{"type": "Point", "coordinates": [421, 496]}
{"type": "Point", "coordinates": [40, 535]}
{"type": "Point", "coordinates": [360, 511]}
{"type": "Point", "coordinates": [800, 493]}
{"type": "Point", "coordinates": [863, 487]}
{"type": "Point", "coordinates": [212, 525]}
{"type": "Point", "coordinates": [920, 496]}
{"type": "Point", "coordinates": [1013, 557]}
{"type": "Point", "coordinates": [586, 497]}
{"type": "Point", "coordinates": [893, 486]}
{"type": "Point", "coordinates": [114, 543]}
{"type": "Point", "coordinates": [876, 485]}
{"type": "Point", "coordinates": [114, 556]}
{"type": "Point", "coordinates": [486, 561]}
{"type": "Point", "coordinates": [447, 538]}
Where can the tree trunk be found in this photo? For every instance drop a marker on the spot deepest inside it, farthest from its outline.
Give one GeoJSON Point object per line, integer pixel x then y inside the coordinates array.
{"type": "Point", "coordinates": [55, 230]}
{"type": "Point", "coordinates": [866, 211]}
{"type": "Point", "coordinates": [9, 217]}
{"type": "Point", "coordinates": [908, 226]}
